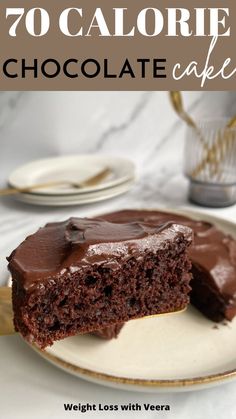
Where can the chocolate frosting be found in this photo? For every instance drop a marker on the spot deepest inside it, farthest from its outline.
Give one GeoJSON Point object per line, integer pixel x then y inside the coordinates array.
{"type": "Point", "coordinates": [68, 245]}
{"type": "Point", "coordinates": [213, 251]}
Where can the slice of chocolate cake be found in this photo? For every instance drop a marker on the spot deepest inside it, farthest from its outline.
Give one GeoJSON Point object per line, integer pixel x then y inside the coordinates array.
{"type": "Point", "coordinates": [213, 257]}
{"type": "Point", "coordinates": [83, 275]}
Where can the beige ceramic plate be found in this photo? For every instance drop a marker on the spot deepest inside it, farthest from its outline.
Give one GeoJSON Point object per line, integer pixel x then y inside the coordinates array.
{"type": "Point", "coordinates": [178, 352]}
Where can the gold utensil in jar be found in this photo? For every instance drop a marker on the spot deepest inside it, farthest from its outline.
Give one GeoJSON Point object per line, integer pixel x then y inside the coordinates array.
{"type": "Point", "coordinates": [210, 165]}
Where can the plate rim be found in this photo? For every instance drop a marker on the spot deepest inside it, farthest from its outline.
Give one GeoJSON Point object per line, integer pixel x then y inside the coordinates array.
{"type": "Point", "coordinates": [72, 201]}
{"type": "Point", "coordinates": [186, 384]}
{"type": "Point", "coordinates": [139, 382]}
{"type": "Point", "coordinates": [80, 192]}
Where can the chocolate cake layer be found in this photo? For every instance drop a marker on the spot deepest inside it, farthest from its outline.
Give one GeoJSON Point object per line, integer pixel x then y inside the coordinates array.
{"type": "Point", "coordinates": [109, 332]}
{"type": "Point", "coordinates": [213, 257]}
{"type": "Point", "coordinates": [82, 275]}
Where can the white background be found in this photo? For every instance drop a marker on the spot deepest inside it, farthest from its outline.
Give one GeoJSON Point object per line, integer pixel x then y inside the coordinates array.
{"type": "Point", "coordinates": [139, 125]}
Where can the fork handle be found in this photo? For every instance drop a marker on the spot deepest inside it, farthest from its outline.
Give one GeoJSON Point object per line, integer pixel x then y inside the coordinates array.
{"type": "Point", "coordinates": [13, 191]}
{"type": "Point", "coordinates": [6, 314]}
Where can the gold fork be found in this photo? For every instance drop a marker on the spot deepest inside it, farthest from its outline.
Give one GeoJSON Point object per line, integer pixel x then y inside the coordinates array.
{"type": "Point", "coordinates": [91, 181]}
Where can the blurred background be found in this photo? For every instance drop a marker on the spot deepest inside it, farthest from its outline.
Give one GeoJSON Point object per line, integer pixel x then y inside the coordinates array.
{"type": "Point", "coordinates": [140, 125]}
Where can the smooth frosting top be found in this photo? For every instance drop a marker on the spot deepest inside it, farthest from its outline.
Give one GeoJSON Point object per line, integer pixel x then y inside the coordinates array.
{"type": "Point", "coordinates": [77, 242]}
{"type": "Point", "coordinates": [213, 251]}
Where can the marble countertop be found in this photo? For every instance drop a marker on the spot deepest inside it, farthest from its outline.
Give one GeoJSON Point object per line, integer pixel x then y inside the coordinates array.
{"type": "Point", "coordinates": [143, 127]}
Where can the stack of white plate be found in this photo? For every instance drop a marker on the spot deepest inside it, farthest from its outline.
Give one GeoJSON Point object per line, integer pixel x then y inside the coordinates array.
{"type": "Point", "coordinates": [77, 168]}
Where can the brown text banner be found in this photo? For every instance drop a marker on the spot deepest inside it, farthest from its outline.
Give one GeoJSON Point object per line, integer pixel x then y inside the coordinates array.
{"type": "Point", "coordinates": [117, 45]}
